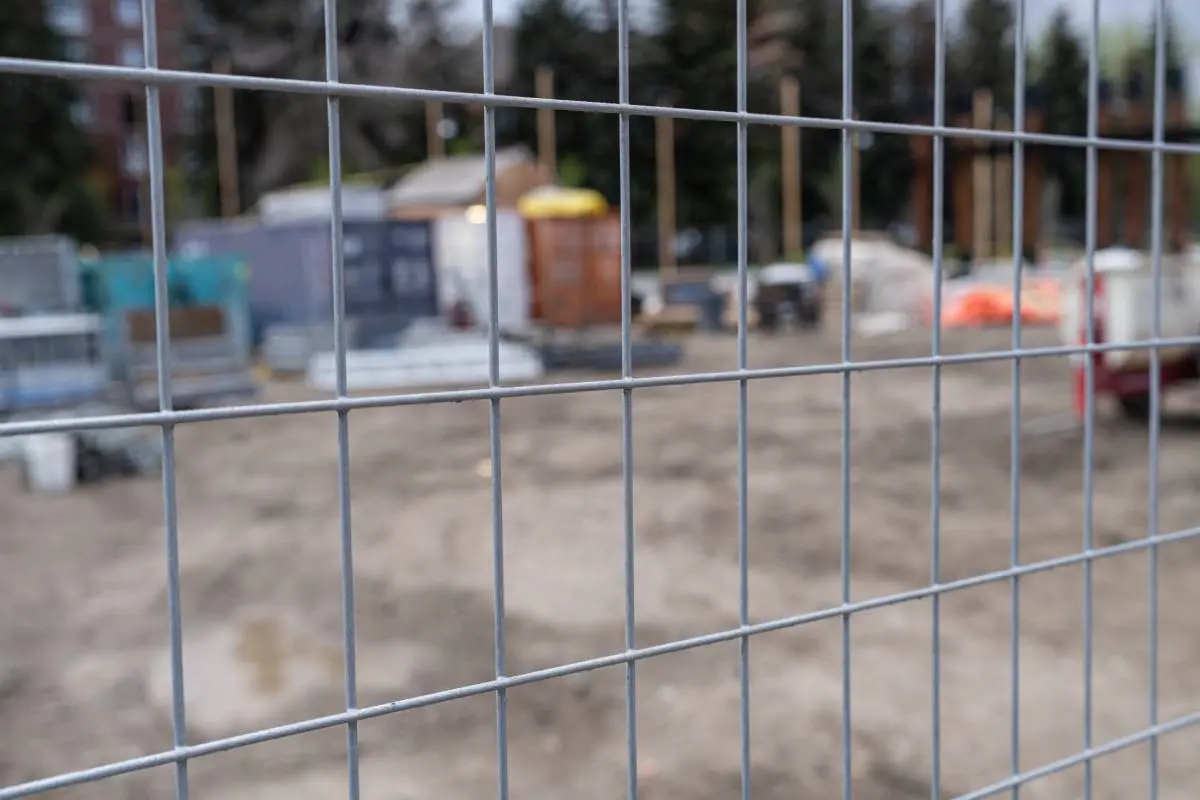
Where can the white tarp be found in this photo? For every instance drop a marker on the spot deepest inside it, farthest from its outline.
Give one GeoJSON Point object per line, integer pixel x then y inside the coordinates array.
{"type": "Point", "coordinates": [885, 277]}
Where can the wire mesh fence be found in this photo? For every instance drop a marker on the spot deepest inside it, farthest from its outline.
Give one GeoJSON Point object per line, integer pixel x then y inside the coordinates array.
{"type": "Point", "coordinates": [942, 777]}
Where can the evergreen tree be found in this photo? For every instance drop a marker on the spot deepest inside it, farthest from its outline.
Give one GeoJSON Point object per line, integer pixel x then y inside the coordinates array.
{"type": "Point", "coordinates": [581, 49]}
{"type": "Point", "coordinates": [695, 66]}
{"type": "Point", "coordinates": [886, 166]}
{"type": "Point", "coordinates": [1062, 76]}
{"type": "Point", "coordinates": [45, 153]}
{"type": "Point", "coordinates": [984, 53]}
{"type": "Point", "coordinates": [1146, 63]}
{"type": "Point", "coordinates": [815, 41]}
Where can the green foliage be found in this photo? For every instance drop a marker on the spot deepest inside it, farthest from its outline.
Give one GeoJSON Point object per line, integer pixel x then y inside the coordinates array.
{"type": "Point", "coordinates": [572, 172]}
{"type": "Point", "coordinates": [581, 48]}
{"type": "Point", "coordinates": [1063, 74]}
{"type": "Point", "coordinates": [984, 56]}
{"type": "Point", "coordinates": [45, 154]}
{"type": "Point", "coordinates": [462, 147]}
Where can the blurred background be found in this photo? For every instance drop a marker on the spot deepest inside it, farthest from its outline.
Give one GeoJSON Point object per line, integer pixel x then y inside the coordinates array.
{"type": "Point", "coordinates": [87, 175]}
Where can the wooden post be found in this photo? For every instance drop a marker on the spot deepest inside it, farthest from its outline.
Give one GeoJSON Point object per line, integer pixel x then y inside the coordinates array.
{"type": "Point", "coordinates": [1177, 189]}
{"type": "Point", "coordinates": [226, 130]}
{"type": "Point", "coordinates": [1105, 235]}
{"type": "Point", "coordinates": [1002, 173]}
{"type": "Point", "coordinates": [546, 136]}
{"type": "Point", "coordinates": [981, 175]}
{"type": "Point", "coordinates": [922, 189]}
{"type": "Point", "coordinates": [435, 145]}
{"type": "Point", "coordinates": [664, 146]}
{"type": "Point", "coordinates": [789, 168]}
{"type": "Point", "coordinates": [1135, 194]}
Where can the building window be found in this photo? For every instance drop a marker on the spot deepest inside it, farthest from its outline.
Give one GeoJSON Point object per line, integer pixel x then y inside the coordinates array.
{"type": "Point", "coordinates": [76, 49]}
{"type": "Point", "coordinates": [81, 113]}
{"type": "Point", "coordinates": [190, 108]}
{"type": "Point", "coordinates": [134, 161]}
{"type": "Point", "coordinates": [68, 16]}
{"type": "Point", "coordinates": [131, 55]}
{"type": "Point", "coordinates": [129, 13]}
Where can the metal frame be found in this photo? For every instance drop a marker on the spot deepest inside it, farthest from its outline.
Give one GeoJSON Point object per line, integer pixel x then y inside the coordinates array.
{"type": "Point", "coordinates": [182, 751]}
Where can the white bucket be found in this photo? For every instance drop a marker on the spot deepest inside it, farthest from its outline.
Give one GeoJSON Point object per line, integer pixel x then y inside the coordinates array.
{"type": "Point", "coordinates": [50, 462]}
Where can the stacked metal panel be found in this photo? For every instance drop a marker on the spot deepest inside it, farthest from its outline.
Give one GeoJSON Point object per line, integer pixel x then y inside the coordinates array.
{"type": "Point", "coordinates": [38, 274]}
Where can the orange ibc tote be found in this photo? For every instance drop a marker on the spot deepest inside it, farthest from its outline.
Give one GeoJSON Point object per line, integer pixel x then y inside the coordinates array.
{"type": "Point", "coordinates": [574, 257]}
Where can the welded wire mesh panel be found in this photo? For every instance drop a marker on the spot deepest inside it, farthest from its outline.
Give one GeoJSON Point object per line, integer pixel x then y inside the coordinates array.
{"type": "Point", "coordinates": [884, 736]}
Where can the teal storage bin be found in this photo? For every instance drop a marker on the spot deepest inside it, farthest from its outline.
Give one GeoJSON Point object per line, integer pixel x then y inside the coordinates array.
{"type": "Point", "coordinates": [117, 284]}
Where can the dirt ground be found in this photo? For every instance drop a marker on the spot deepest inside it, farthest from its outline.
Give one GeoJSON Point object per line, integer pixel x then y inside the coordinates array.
{"type": "Point", "coordinates": [83, 634]}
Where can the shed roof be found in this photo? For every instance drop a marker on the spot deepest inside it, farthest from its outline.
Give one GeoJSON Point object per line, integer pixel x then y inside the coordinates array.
{"type": "Point", "coordinates": [452, 181]}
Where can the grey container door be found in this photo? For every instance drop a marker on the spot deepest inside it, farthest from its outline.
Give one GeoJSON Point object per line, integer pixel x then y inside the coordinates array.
{"type": "Point", "coordinates": [363, 258]}
{"type": "Point", "coordinates": [411, 275]}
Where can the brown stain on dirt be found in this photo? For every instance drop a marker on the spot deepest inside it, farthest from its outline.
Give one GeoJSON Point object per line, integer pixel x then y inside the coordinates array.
{"type": "Point", "coordinates": [266, 647]}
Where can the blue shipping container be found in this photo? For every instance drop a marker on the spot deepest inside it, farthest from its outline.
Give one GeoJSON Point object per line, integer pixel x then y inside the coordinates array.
{"type": "Point", "coordinates": [389, 270]}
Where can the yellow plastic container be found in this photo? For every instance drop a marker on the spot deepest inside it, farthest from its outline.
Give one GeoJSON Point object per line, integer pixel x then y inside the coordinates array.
{"type": "Point", "coordinates": [556, 202]}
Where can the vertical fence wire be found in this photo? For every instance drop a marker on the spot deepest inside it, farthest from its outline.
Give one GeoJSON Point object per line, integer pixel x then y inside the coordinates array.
{"type": "Point", "coordinates": [337, 261]}
{"type": "Point", "coordinates": [848, 188]}
{"type": "Point", "coordinates": [630, 530]}
{"type": "Point", "coordinates": [935, 568]}
{"type": "Point", "coordinates": [494, 378]}
{"type": "Point", "coordinates": [1156, 249]}
{"type": "Point", "coordinates": [1089, 380]}
{"type": "Point", "coordinates": [1018, 247]}
{"type": "Point", "coordinates": [743, 479]}
{"type": "Point", "coordinates": [162, 347]}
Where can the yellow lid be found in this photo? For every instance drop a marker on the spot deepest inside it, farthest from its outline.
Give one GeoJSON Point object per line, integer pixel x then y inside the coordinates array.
{"type": "Point", "coordinates": [551, 202]}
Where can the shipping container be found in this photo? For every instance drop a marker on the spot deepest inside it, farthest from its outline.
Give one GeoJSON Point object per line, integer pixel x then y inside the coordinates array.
{"type": "Point", "coordinates": [389, 272]}
{"type": "Point", "coordinates": [463, 273]}
{"type": "Point", "coordinates": [38, 274]}
{"type": "Point", "coordinates": [576, 270]}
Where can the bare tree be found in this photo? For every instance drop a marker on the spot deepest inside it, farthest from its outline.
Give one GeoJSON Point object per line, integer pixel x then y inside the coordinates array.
{"type": "Point", "coordinates": [287, 40]}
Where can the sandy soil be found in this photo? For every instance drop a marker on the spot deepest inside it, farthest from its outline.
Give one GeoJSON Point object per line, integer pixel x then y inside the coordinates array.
{"type": "Point", "coordinates": [83, 633]}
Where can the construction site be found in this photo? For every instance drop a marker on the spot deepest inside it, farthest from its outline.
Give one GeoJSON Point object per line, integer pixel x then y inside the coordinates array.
{"type": "Point", "coordinates": [886, 487]}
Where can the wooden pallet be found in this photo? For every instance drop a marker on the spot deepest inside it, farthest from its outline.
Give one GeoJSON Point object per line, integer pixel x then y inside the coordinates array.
{"type": "Point", "coordinates": [264, 373]}
{"type": "Point", "coordinates": [679, 319]}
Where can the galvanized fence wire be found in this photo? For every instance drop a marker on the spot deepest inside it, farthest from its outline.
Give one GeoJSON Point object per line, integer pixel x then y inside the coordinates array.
{"type": "Point", "coordinates": [167, 418]}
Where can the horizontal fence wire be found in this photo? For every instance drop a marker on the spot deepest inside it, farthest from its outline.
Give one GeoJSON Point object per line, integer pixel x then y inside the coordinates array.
{"type": "Point", "coordinates": [164, 77]}
{"type": "Point", "coordinates": [182, 416]}
{"type": "Point", "coordinates": [152, 79]}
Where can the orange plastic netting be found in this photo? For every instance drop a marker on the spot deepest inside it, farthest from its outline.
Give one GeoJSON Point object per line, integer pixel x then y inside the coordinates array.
{"type": "Point", "coordinates": [984, 305]}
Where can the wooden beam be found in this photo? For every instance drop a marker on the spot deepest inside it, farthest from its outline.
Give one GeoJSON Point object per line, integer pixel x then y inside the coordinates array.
{"type": "Point", "coordinates": [1002, 175]}
{"type": "Point", "coordinates": [435, 145]}
{"type": "Point", "coordinates": [546, 135]}
{"type": "Point", "coordinates": [226, 131]}
{"type": "Point", "coordinates": [981, 180]}
{"type": "Point", "coordinates": [664, 147]}
{"type": "Point", "coordinates": [789, 168]}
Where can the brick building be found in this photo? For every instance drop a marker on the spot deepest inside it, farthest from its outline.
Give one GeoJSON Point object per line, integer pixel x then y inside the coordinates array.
{"type": "Point", "coordinates": [113, 112]}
